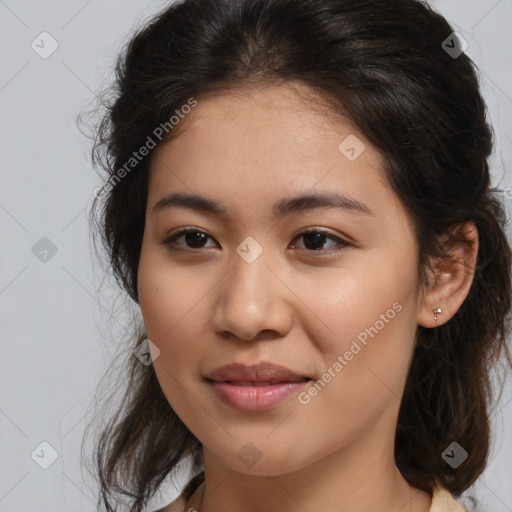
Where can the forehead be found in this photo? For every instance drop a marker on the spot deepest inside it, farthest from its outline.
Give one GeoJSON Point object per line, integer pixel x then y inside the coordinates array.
{"type": "Point", "coordinates": [253, 116]}
{"type": "Point", "coordinates": [269, 128]}
{"type": "Point", "coordinates": [260, 145]}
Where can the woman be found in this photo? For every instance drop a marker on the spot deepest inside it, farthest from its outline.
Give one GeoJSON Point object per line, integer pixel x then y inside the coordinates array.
{"type": "Point", "coordinates": [298, 198]}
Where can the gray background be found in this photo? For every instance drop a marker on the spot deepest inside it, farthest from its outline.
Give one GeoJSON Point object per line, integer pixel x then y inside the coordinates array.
{"type": "Point", "coordinates": [60, 329]}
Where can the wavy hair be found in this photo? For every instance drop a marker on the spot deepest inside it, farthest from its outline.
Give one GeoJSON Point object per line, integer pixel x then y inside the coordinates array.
{"type": "Point", "coordinates": [384, 66]}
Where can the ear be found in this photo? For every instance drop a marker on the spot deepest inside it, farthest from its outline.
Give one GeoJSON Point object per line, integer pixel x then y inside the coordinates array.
{"type": "Point", "coordinates": [450, 278]}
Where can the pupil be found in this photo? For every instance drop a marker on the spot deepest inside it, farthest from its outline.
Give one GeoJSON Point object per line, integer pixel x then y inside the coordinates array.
{"type": "Point", "coordinates": [318, 238]}
{"type": "Point", "coordinates": [194, 237]}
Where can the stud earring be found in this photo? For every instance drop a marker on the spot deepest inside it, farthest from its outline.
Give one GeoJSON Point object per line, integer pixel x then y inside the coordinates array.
{"type": "Point", "coordinates": [437, 311]}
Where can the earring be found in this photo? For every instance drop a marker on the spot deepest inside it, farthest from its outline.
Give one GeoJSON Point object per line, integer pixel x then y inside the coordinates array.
{"type": "Point", "coordinates": [437, 311]}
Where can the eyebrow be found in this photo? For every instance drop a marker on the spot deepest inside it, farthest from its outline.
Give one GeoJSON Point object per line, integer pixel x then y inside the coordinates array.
{"type": "Point", "coordinates": [310, 201]}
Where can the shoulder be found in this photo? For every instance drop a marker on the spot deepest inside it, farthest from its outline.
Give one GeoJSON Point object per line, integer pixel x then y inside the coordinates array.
{"type": "Point", "coordinates": [178, 505]}
{"type": "Point", "coordinates": [443, 501]}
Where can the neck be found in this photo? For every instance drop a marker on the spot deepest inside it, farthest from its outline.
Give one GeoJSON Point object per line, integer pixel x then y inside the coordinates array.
{"type": "Point", "coordinates": [358, 477]}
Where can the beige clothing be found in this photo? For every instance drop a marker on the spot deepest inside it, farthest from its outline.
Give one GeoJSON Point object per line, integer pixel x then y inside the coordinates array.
{"type": "Point", "coordinates": [442, 501]}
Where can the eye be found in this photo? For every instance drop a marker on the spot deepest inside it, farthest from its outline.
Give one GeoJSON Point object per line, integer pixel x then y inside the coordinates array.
{"type": "Point", "coordinates": [194, 238]}
{"type": "Point", "coordinates": [314, 239]}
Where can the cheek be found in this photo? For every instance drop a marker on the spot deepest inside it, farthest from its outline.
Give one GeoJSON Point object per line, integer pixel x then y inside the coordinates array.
{"type": "Point", "coordinates": [364, 329]}
{"type": "Point", "coordinates": [175, 304]}
{"type": "Point", "coordinates": [360, 296]}
{"type": "Point", "coordinates": [166, 295]}
{"type": "Point", "coordinates": [170, 302]}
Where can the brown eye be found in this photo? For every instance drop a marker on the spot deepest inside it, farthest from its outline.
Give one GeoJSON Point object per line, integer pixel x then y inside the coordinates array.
{"type": "Point", "coordinates": [193, 239]}
{"type": "Point", "coordinates": [314, 240]}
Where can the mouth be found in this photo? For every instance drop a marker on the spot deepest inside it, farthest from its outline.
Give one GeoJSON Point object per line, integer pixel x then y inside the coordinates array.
{"type": "Point", "coordinates": [256, 396]}
{"type": "Point", "coordinates": [244, 383]}
{"type": "Point", "coordinates": [255, 388]}
{"type": "Point", "coordinates": [266, 373]}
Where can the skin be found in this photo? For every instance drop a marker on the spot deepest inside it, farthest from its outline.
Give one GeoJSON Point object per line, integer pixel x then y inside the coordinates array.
{"type": "Point", "coordinates": [204, 307]}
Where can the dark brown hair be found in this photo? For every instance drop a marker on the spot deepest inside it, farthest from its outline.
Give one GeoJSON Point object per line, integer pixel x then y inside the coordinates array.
{"type": "Point", "coordinates": [384, 66]}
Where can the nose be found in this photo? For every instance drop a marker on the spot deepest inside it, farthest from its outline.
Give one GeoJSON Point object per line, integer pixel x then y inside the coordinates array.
{"type": "Point", "coordinates": [253, 302]}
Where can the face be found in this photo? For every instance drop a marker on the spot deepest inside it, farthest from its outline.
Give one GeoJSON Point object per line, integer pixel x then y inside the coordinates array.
{"type": "Point", "coordinates": [327, 291]}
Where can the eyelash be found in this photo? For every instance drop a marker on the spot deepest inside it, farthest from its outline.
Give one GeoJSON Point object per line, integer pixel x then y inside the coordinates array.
{"type": "Point", "coordinates": [342, 244]}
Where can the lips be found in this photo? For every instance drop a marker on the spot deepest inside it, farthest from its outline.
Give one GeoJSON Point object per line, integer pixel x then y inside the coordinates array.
{"type": "Point", "coordinates": [256, 375]}
{"type": "Point", "coordinates": [255, 388]}
{"type": "Point", "coordinates": [246, 383]}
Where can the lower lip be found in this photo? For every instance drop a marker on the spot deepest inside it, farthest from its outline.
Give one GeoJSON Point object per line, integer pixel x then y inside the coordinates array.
{"type": "Point", "coordinates": [256, 398]}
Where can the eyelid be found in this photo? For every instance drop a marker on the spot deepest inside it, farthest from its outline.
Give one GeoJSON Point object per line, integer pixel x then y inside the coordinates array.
{"type": "Point", "coordinates": [179, 233]}
{"type": "Point", "coordinates": [342, 242]}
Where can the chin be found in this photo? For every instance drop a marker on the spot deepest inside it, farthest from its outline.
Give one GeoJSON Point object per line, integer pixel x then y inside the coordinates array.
{"type": "Point", "coordinates": [262, 458]}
